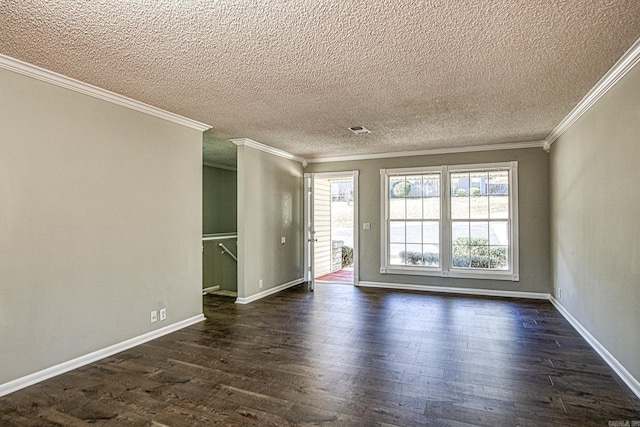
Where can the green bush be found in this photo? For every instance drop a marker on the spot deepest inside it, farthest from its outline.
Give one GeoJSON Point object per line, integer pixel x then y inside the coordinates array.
{"type": "Point", "coordinates": [401, 189]}
{"type": "Point", "coordinates": [347, 256]}
{"type": "Point", "coordinates": [419, 258]}
{"type": "Point", "coordinates": [475, 253]}
{"type": "Point", "coordinates": [431, 258]}
{"type": "Point", "coordinates": [410, 257]}
{"type": "Point", "coordinates": [475, 191]}
{"type": "Point", "coordinates": [461, 192]}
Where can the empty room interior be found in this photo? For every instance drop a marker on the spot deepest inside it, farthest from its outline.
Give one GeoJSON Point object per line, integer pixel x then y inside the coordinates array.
{"type": "Point", "coordinates": [367, 212]}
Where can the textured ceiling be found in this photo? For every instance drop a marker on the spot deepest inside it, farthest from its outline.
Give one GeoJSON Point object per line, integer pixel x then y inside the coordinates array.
{"type": "Point", "coordinates": [295, 74]}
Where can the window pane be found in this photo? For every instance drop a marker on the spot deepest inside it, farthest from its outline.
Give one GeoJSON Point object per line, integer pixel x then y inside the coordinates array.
{"type": "Point", "coordinates": [431, 196]}
{"type": "Point", "coordinates": [479, 261]}
{"type": "Point", "coordinates": [400, 187]}
{"type": "Point", "coordinates": [478, 183]}
{"type": "Point", "coordinates": [459, 184]}
{"type": "Point", "coordinates": [499, 183]}
{"type": "Point", "coordinates": [459, 207]}
{"type": "Point", "coordinates": [460, 256]}
{"type": "Point", "coordinates": [431, 185]}
{"type": "Point", "coordinates": [499, 194]}
{"type": "Point", "coordinates": [414, 232]}
{"type": "Point", "coordinates": [413, 255]}
{"type": "Point", "coordinates": [479, 254]}
{"type": "Point", "coordinates": [397, 232]}
{"type": "Point", "coordinates": [460, 230]}
{"type": "Point", "coordinates": [499, 233]}
{"type": "Point", "coordinates": [415, 186]}
{"type": "Point", "coordinates": [431, 208]}
{"type": "Point", "coordinates": [398, 190]}
{"type": "Point", "coordinates": [412, 187]}
{"type": "Point", "coordinates": [499, 257]}
{"type": "Point", "coordinates": [479, 233]}
{"type": "Point", "coordinates": [396, 254]}
{"type": "Point", "coordinates": [431, 232]}
{"type": "Point", "coordinates": [478, 199]}
{"type": "Point", "coordinates": [499, 207]}
{"type": "Point", "coordinates": [431, 255]}
{"type": "Point", "coordinates": [414, 208]}
{"type": "Point", "coordinates": [479, 207]}
{"type": "Point", "coordinates": [460, 196]}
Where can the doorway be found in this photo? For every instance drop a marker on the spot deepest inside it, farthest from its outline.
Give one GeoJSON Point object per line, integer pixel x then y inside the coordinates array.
{"type": "Point", "coordinates": [331, 213]}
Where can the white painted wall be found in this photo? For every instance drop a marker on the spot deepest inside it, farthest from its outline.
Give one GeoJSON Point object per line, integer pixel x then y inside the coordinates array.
{"type": "Point", "coordinates": [595, 227]}
{"type": "Point", "coordinates": [100, 223]}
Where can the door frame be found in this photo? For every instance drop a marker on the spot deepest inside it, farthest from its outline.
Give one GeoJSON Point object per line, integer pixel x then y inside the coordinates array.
{"type": "Point", "coordinates": [309, 231]}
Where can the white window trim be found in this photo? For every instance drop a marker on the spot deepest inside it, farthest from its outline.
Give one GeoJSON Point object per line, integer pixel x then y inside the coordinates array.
{"type": "Point", "coordinates": [445, 269]}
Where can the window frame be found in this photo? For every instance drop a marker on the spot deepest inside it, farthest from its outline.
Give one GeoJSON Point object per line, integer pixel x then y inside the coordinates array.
{"type": "Point", "coordinates": [446, 222]}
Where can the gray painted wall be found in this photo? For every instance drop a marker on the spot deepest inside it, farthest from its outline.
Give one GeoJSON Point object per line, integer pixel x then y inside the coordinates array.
{"type": "Point", "coordinates": [100, 222]}
{"type": "Point", "coordinates": [595, 232]}
{"type": "Point", "coordinates": [533, 206]}
{"type": "Point", "coordinates": [269, 207]}
{"type": "Point", "coordinates": [219, 200]}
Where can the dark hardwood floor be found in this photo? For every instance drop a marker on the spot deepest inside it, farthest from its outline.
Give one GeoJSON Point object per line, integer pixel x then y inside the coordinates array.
{"type": "Point", "coordinates": [345, 356]}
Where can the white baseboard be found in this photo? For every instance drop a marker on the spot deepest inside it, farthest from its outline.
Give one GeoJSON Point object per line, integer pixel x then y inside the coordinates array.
{"type": "Point", "coordinates": [78, 362]}
{"type": "Point", "coordinates": [620, 370]}
{"type": "Point", "coordinates": [268, 292]}
{"type": "Point", "coordinates": [449, 290]}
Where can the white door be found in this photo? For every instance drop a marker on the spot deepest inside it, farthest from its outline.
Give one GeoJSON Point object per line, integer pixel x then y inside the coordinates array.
{"type": "Point", "coordinates": [310, 231]}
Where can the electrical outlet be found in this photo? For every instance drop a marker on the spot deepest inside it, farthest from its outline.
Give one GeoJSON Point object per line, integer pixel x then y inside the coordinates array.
{"type": "Point", "coordinates": [559, 293]}
{"type": "Point", "coordinates": [163, 314]}
{"type": "Point", "coordinates": [154, 316]}
{"type": "Point", "coordinates": [260, 283]}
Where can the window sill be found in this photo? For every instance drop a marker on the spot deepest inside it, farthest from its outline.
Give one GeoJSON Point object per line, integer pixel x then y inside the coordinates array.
{"type": "Point", "coordinates": [459, 274]}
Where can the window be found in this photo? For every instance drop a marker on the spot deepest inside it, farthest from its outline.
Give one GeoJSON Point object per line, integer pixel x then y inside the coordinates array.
{"type": "Point", "coordinates": [451, 221]}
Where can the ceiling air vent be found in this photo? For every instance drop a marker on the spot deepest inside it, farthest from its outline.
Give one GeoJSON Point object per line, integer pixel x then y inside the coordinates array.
{"type": "Point", "coordinates": [359, 130]}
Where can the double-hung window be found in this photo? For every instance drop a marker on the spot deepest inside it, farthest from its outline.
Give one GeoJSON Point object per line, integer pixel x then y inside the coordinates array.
{"type": "Point", "coordinates": [451, 221]}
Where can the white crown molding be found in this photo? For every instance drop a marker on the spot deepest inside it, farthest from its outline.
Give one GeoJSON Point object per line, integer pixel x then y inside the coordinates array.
{"type": "Point", "coordinates": [431, 152]}
{"type": "Point", "coordinates": [217, 166]}
{"type": "Point", "coordinates": [452, 290]}
{"type": "Point", "coordinates": [620, 370]}
{"type": "Point", "coordinates": [268, 149]}
{"type": "Point", "coordinates": [618, 71]}
{"type": "Point", "coordinates": [78, 362]}
{"type": "Point", "coordinates": [44, 75]}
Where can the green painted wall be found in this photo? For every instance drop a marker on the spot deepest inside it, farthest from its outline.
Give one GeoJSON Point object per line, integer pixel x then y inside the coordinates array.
{"type": "Point", "coordinates": [219, 200]}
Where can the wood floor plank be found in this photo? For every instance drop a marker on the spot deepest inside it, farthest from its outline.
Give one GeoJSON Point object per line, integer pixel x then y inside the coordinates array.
{"type": "Point", "coordinates": [346, 356]}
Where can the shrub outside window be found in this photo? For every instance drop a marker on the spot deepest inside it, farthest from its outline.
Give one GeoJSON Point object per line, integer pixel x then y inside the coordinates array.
{"type": "Point", "coordinates": [453, 221]}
